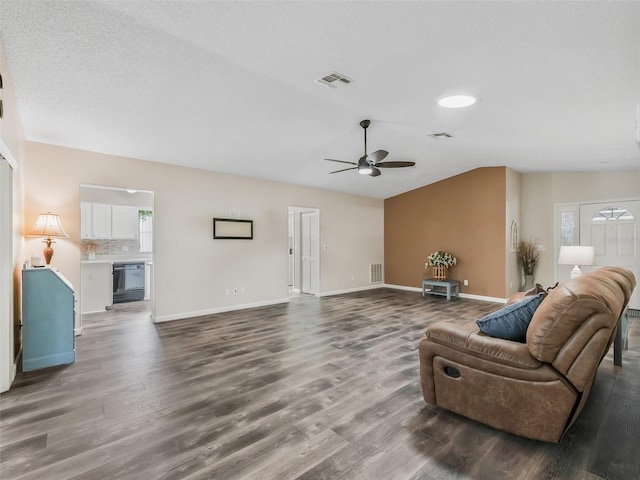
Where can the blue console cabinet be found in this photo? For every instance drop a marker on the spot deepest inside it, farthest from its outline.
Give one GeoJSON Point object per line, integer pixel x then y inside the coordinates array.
{"type": "Point", "coordinates": [48, 315]}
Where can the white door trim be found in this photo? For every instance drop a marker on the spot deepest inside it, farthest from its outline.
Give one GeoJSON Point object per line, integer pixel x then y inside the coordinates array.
{"type": "Point", "coordinates": [575, 206]}
{"type": "Point", "coordinates": [7, 354]}
{"type": "Point", "coordinates": [297, 284]}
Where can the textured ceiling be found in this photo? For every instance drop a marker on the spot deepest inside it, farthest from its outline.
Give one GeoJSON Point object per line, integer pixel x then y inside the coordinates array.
{"type": "Point", "coordinates": [229, 86]}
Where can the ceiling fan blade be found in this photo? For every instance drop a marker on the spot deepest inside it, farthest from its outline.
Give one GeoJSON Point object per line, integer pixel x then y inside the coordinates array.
{"type": "Point", "coordinates": [340, 161]}
{"type": "Point", "coordinates": [377, 156]}
{"type": "Point", "coordinates": [344, 170]}
{"type": "Point", "coordinates": [375, 172]}
{"type": "Point", "coordinates": [395, 164]}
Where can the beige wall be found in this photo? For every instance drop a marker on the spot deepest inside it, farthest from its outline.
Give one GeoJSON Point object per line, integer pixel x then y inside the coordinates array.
{"type": "Point", "coordinates": [464, 215]}
{"type": "Point", "coordinates": [192, 270]}
{"type": "Point", "coordinates": [514, 275]}
{"type": "Point", "coordinates": [541, 191]}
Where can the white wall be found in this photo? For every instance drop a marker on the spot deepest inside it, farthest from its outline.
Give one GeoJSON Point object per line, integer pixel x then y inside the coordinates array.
{"type": "Point", "coordinates": [191, 270]}
{"type": "Point", "coordinates": [541, 191]}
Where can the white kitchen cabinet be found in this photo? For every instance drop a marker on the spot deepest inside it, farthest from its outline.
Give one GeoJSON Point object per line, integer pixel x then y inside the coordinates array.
{"type": "Point", "coordinates": [96, 287]}
{"type": "Point", "coordinates": [125, 223]}
{"type": "Point", "coordinates": [85, 220]}
{"type": "Point", "coordinates": [95, 220]}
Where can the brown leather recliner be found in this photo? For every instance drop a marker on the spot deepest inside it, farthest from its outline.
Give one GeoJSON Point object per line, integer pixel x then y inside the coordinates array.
{"type": "Point", "coordinates": [534, 389]}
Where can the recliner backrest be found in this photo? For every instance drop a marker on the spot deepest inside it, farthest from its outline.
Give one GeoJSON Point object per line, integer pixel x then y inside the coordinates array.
{"type": "Point", "coordinates": [573, 327]}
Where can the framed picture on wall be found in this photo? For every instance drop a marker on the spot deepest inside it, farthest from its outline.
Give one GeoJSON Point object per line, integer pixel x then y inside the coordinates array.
{"type": "Point", "coordinates": [232, 229]}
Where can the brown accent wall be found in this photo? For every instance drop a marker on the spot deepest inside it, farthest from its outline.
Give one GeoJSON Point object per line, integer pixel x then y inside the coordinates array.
{"type": "Point", "coordinates": [464, 215]}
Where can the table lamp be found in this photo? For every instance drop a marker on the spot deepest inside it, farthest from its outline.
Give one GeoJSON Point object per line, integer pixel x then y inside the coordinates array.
{"type": "Point", "coordinates": [48, 225]}
{"type": "Point", "coordinates": [576, 255]}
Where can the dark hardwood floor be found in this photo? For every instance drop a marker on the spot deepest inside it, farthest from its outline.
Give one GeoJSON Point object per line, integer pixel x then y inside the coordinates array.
{"type": "Point", "coordinates": [315, 389]}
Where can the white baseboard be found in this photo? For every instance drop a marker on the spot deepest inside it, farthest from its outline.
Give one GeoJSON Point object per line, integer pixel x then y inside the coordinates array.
{"type": "Point", "coordinates": [483, 298]}
{"type": "Point", "coordinates": [211, 311]}
{"type": "Point", "coordinates": [470, 296]}
{"type": "Point", "coordinates": [231, 308]}
{"type": "Point", "coordinates": [13, 371]}
{"type": "Point", "coordinates": [77, 332]}
{"type": "Point", "coordinates": [13, 368]}
{"type": "Point", "coordinates": [351, 290]}
{"type": "Point", "coordinates": [403, 287]}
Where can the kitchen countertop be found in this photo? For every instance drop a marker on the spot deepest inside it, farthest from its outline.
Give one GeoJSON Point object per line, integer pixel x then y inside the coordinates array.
{"type": "Point", "coordinates": [114, 259]}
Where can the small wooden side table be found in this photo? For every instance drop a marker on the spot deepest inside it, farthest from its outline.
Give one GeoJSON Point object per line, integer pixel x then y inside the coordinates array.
{"type": "Point", "coordinates": [446, 288]}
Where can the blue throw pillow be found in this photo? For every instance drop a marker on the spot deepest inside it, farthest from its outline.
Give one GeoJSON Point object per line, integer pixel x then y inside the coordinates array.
{"type": "Point", "coordinates": [511, 322]}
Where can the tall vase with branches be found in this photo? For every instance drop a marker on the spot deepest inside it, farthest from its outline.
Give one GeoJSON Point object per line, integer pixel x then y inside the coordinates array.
{"type": "Point", "coordinates": [528, 257]}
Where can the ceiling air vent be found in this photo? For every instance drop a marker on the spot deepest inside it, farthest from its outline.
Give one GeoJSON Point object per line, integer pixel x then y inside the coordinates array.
{"type": "Point", "coordinates": [440, 135]}
{"type": "Point", "coordinates": [333, 80]}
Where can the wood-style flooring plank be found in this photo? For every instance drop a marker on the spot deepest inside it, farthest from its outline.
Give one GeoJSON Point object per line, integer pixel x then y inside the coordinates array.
{"type": "Point", "coordinates": [319, 388]}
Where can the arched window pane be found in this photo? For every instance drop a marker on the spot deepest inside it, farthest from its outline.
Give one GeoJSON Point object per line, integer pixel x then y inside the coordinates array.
{"type": "Point", "coordinates": [612, 213]}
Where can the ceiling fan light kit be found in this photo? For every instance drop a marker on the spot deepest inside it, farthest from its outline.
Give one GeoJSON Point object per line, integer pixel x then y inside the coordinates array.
{"type": "Point", "coordinates": [370, 164]}
{"type": "Point", "coordinates": [363, 166]}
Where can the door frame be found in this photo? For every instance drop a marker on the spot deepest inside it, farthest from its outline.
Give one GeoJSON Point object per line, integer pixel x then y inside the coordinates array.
{"type": "Point", "coordinates": [575, 206]}
{"type": "Point", "coordinates": [150, 270]}
{"type": "Point", "coordinates": [297, 257]}
{"type": "Point", "coordinates": [8, 365]}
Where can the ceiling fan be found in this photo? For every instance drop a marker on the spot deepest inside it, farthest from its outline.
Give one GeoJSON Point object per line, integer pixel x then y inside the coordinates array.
{"type": "Point", "coordinates": [370, 164]}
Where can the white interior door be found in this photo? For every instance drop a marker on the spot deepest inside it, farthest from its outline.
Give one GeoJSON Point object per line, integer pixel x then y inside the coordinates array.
{"type": "Point", "coordinates": [290, 246]}
{"type": "Point", "coordinates": [7, 365]}
{"type": "Point", "coordinates": [612, 229]}
{"type": "Point", "coordinates": [309, 244]}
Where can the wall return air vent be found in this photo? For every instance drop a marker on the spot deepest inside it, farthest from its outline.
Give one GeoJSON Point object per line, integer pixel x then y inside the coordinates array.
{"type": "Point", "coordinates": [333, 80]}
{"type": "Point", "coordinates": [375, 273]}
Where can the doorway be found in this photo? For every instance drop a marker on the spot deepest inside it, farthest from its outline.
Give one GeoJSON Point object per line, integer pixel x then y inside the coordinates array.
{"type": "Point", "coordinates": [116, 226]}
{"type": "Point", "coordinates": [304, 250]}
{"type": "Point", "coordinates": [612, 229]}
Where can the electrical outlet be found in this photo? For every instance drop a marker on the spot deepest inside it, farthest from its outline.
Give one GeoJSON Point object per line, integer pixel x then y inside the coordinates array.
{"type": "Point", "coordinates": [227, 291]}
{"type": "Point", "coordinates": [242, 290]}
{"type": "Point", "coordinates": [540, 248]}
{"type": "Point", "coordinates": [466, 283]}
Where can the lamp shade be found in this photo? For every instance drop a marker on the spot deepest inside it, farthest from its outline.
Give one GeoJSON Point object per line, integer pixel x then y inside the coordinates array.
{"type": "Point", "coordinates": [48, 225]}
{"type": "Point", "coordinates": [577, 255]}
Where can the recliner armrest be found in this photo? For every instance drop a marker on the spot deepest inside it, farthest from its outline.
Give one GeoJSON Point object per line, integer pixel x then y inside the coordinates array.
{"type": "Point", "coordinates": [468, 339]}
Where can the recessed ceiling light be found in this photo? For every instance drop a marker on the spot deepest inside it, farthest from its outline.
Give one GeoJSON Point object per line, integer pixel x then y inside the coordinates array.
{"type": "Point", "coordinates": [456, 101]}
